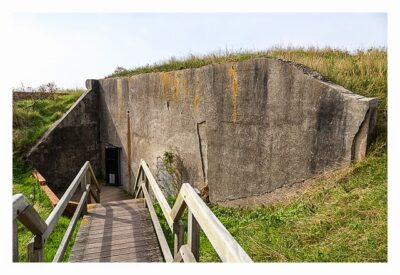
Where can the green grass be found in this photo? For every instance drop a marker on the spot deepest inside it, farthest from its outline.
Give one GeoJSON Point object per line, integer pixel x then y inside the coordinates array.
{"type": "Point", "coordinates": [341, 217]}
{"type": "Point", "coordinates": [31, 119]}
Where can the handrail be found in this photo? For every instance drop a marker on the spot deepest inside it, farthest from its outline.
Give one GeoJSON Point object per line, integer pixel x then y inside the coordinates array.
{"type": "Point", "coordinates": [199, 217]}
{"type": "Point", "coordinates": [28, 216]}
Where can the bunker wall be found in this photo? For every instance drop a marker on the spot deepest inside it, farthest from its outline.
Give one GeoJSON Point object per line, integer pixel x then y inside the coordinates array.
{"type": "Point", "coordinates": [70, 142]}
{"type": "Point", "coordinates": [242, 128]}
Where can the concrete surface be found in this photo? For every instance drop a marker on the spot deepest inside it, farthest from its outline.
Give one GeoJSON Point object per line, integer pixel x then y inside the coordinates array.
{"type": "Point", "coordinates": [243, 128]}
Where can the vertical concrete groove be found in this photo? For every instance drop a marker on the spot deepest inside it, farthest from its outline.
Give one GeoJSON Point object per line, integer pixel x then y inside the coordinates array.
{"type": "Point", "coordinates": [202, 150]}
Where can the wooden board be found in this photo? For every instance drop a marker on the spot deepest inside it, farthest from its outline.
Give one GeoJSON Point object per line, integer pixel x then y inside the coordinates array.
{"type": "Point", "coordinates": [108, 193]}
{"type": "Point", "coordinates": [117, 231]}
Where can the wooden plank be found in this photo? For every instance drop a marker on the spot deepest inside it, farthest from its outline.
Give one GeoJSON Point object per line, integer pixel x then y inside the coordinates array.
{"type": "Point", "coordinates": [121, 216]}
{"type": "Point", "coordinates": [111, 233]}
{"type": "Point", "coordinates": [117, 210]}
{"type": "Point", "coordinates": [224, 244]}
{"type": "Point", "coordinates": [193, 236]}
{"type": "Point", "coordinates": [178, 231]}
{"type": "Point", "coordinates": [96, 183]}
{"type": "Point", "coordinates": [178, 208]}
{"type": "Point", "coordinates": [157, 227]}
{"type": "Point", "coordinates": [15, 241]}
{"type": "Point", "coordinates": [116, 221]}
{"type": "Point", "coordinates": [187, 255]}
{"type": "Point", "coordinates": [90, 191]}
{"type": "Point", "coordinates": [51, 221]}
{"type": "Point", "coordinates": [35, 249]}
{"type": "Point", "coordinates": [83, 241]}
{"type": "Point", "coordinates": [113, 229]}
{"type": "Point", "coordinates": [123, 258]}
{"type": "Point", "coordinates": [112, 222]}
{"type": "Point", "coordinates": [32, 220]}
{"type": "Point", "coordinates": [133, 250]}
{"type": "Point", "coordinates": [139, 173]}
{"type": "Point", "coordinates": [129, 201]}
{"type": "Point", "coordinates": [19, 204]}
{"type": "Point", "coordinates": [138, 191]}
{"type": "Point", "coordinates": [83, 245]}
{"type": "Point", "coordinates": [166, 209]}
{"type": "Point", "coordinates": [103, 225]}
{"type": "Point", "coordinates": [67, 236]}
{"type": "Point", "coordinates": [84, 187]}
{"type": "Point", "coordinates": [119, 204]}
{"type": "Point", "coordinates": [142, 245]}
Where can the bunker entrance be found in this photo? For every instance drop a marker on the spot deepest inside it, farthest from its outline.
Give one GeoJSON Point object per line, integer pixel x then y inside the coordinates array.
{"type": "Point", "coordinates": [113, 170]}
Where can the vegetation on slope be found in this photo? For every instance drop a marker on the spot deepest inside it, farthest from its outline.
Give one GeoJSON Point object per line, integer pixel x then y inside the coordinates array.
{"type": "Point", "coordinates": [342, 217]}
{"type": "Point", "coordinates": [31, 119]}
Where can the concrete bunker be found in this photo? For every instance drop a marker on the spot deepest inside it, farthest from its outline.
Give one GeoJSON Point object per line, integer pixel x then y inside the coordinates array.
{"type": "Point", "coordinates": [242, 129]}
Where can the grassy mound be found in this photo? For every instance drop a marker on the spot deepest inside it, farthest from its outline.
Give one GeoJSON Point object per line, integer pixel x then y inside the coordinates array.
{"type": "Point", "coordinates": [31, 119]}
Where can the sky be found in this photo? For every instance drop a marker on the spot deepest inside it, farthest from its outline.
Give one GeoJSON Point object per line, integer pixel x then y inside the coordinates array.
{"type": "Point", "coordinates": [68, 48]}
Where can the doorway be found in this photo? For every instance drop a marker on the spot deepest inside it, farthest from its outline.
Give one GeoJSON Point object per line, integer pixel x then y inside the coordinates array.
{"type": "Point", "coordinates": [113, 170]}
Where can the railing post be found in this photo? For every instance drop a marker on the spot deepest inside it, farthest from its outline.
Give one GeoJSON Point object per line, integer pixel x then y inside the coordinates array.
{"type": "Point", "coordinates": [143, 180]}
{"type": "Point", "coordinates": [178, 230]}
{"type": "Point", "coordinates": [83, 187]}
{"type": "Point", "coordinates": [35, 249]}
{"type": "Point", "coordinates": [146, 184]}
{"type": "Point", "coordinates": [193, 235]}
{"type": "Point", "coordinates": [15, 241]}
{"type": "Point", "coordinates": [89, 181]}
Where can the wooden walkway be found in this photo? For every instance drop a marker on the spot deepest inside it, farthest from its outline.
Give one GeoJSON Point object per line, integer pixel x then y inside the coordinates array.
{"type": "Point", "coordinates": [108, 193]}
{"type": "Point", "coordinates": [116, 231]}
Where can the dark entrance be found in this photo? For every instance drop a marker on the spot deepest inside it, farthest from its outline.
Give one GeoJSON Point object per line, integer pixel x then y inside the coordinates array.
{"type": "Point", "coordinates": [113, 170]}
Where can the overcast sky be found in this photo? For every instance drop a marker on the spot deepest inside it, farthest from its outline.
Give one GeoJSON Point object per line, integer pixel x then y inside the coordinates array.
{"type": "Point", "coordinates": [68, 48]}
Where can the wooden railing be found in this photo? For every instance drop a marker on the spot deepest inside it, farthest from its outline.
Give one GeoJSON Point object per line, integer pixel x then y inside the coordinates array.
{"type": "Point", "coordinates": [200, 217]}
{"type": "Point", "coordinates": [41, 229]}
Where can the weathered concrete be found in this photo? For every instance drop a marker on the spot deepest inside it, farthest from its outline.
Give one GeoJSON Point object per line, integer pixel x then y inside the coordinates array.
{"type": "Point", "coordinates": [243, 128]}
{"type": "Point", "coordinates": [71, 141]}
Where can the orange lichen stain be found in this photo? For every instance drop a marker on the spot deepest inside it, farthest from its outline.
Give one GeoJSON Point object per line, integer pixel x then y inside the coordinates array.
{"type": "Point", "coordinates": [196, 102]}
{"type": "Point", "coordinates": [182, 87]}
{"type": "Point", "coordinates": [187, 88]}
{"type": "Point", "coordinates": [165, 84]}
{"type": "Point", "coordinates": [176, 87]}
{"type": "Point", "coordinates": [234, 92]}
